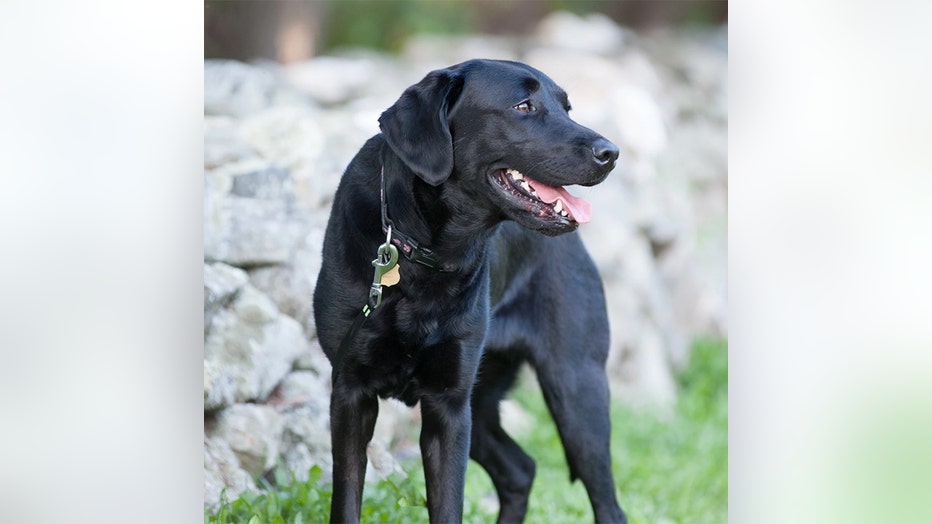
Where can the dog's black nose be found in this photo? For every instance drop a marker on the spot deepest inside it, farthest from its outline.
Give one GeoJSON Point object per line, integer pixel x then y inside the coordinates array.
{"type": "Point", "coordinates": [604, 152]}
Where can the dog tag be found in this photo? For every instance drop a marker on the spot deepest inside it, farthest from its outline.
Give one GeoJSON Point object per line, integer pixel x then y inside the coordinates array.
{"type": "Point", "coordinates": [391, 277]}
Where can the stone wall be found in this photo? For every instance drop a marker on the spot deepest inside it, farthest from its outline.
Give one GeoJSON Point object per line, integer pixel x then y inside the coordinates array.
{"type": "Point", "coordinates": [278, 138]}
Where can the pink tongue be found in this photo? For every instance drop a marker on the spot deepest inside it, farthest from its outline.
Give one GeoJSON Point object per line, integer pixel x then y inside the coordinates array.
{"type": "Point", "coordinates": [578, 208]}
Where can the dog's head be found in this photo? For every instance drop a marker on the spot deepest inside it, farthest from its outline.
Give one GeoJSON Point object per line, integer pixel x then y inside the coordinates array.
{"type": "Point", "coordinates": [500, 133]}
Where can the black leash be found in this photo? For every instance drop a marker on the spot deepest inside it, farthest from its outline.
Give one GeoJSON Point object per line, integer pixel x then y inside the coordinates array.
{"type": "Point", "coordinates": [385, 261]}
{"type": "Point", "coordinates": [386, 269]}
{"type": "Point", "coordinates": [351, 334]}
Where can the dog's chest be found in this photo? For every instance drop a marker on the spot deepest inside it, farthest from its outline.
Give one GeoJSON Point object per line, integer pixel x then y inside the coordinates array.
{"type": "Point", "coordinates": [409, 372]}
{"type": "Point", "coordinates": [423, 346]}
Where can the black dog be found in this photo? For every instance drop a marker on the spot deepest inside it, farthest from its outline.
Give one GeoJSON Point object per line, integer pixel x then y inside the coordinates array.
{"type": "Point", "coordinates": [470, 162]}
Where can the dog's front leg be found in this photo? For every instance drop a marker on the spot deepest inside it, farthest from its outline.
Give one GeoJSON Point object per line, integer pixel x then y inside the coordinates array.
{"type": "Point", "coordinates": [445, 434]}
{"type": "Point", "coordinates": [352, 421]}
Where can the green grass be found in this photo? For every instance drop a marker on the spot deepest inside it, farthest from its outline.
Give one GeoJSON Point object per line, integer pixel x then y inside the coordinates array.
{"type": "Point", "coordinates": [668, 469]}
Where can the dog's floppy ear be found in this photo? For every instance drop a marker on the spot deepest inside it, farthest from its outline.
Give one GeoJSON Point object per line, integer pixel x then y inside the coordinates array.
{"type": "Point", "coordinates": [417, 127]}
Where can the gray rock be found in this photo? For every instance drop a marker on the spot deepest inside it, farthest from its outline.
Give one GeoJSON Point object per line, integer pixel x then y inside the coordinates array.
{"type": "Point", "coordinates": [221, 282]}
{"type": "Point", "coordinates": [249, 349]}
{"type": "Point", "coordinates": [303, 388]}
{"type": "Point", "coordinates": [291, 285]}
{"type": "Point", "coordinates": [253, 432]}
{"type": "Point", "coordinates": [703, 147]}
{"type": "Point", "coordinates": [249, 214]}
{"type": "Point", "coordinates": [306, 434]}
{"type": "Point", "coordinates": [433, 51]}
{"type": "Point", "coordinates": [381, 462]}
{"type": "Point", "coordinates": [306, 437]}
{"type": "Point", "coordinates": [394, 419]}
{"type": "Point", "coordinates": [645, 334]}
{"type": "Point", "coordinates": [313, 360]}
{"type": "Point", "coordinates": [248, 232]}
{"type": "Point", "coordinates": [268, 183]}
{"type": "Point", "coordinates": [697, 293]}
{"type": "Point", "coordinates": [330, 79]}
{"type": "Point", "coordinates": [516, 421]}
{"type": "Point", "coordinates": [593, 33]}
{"type": "Point", "coordinates": [223, 142]}
{"type": "Point", "coordinates": [641, 370]}
{"type": "Point", "coordinates": [288, 135]}
{"type": "Point", "coordinates": [222, 471]}
{"type": "Point", "coordinates": [315, 145]}
{"type": "Point", "coordinates": [345, 130]}
{"type": "Point", "coordinates": [299, 460]}
{"type": "Point", "coordinates": [394, 437]}
{"type": "Point", "coordinates": [640, 119]}
{"type": "Point", "coordinates": [303, 398]}
{"type": "Point", "coordinates": [236, 89]}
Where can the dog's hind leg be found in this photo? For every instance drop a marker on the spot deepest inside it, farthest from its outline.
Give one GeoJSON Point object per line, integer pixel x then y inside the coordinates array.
{"type": "Point", "coordinates": [576, 392]}
{"type": "Point", "coordinates": [511, 469]}
{"type": "Point", "coordinates": [352, 422]}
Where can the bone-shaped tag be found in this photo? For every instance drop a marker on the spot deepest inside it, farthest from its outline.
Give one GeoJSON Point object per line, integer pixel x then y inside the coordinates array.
{"type": "Point", "coordinates": [391, 277]}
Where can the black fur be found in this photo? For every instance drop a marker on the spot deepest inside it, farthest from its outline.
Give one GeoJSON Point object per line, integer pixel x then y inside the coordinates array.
{"type": "Point", "coordinates": [454, 340]}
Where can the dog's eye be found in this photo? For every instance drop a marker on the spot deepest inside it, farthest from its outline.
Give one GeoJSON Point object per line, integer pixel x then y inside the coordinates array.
{"type": "Point", "coordinates": [525, 107]}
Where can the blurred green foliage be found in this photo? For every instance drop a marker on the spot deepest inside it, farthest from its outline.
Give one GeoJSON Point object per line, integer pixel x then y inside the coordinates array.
{"type": "Point", "coordinates": [248, 29]}
{"type": "Point", "coordinates": [669, 468]}
{"type": "Point", "coordinates": [386, 25]}
{"type": "Point", "coordinates": [289, 501]}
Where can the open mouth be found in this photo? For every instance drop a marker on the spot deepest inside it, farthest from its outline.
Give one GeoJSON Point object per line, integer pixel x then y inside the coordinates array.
{"type": "Point", "coordinates": [545, 201]}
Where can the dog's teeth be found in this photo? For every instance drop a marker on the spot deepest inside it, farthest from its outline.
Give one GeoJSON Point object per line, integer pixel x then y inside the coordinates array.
{"type": "Point", "coordinates": [526, 186]}
{"type": "Point", "coordinates": [559, 206]}
{"type": "Point", "coordinates": [564, 213]}
{"type": "Point", "coordinates": [516, 175]}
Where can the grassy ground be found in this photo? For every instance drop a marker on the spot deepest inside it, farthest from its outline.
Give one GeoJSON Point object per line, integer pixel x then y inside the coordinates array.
{"type": "Point", "coordinates": [668, 469]}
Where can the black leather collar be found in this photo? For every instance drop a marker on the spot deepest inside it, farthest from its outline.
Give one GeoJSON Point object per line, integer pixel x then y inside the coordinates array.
{"type": "Point", "coordinates": [409, 247]}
